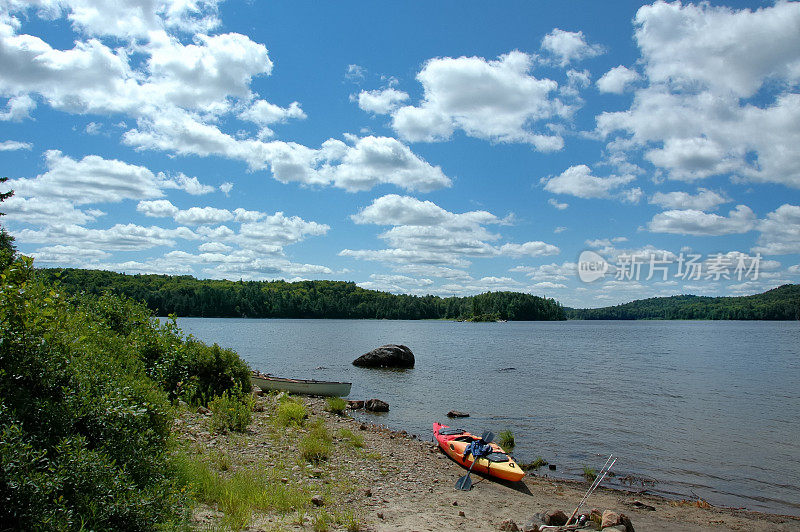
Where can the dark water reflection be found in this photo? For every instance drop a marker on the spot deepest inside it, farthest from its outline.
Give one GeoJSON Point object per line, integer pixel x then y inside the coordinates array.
{"type": "Point", "coordinates": [705, 408]}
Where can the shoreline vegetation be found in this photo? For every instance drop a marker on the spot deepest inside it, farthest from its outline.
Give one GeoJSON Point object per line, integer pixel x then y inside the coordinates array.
{"type": "Point", "coordinates": [112, 420]}
{"type": "Point", "coordinates": [186, 296]}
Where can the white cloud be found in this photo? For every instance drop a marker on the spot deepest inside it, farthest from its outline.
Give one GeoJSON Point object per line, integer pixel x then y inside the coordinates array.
{"type": "Point", "coordinates": [89, 180]}
{"type": "Point", "coordinates": [423, 233]}
{"type": "Point", "coordinates": [190, 185]}
{"type": "Point", "coordinates": [203, 216]}
{"type": "Point", "coordinates": [548, 272]}
{"type": "Point", "coordinates": [617, 79]}
{"type": "Point", "coordinates": [62, 255]}
{"type": "Point", "coordinates": [568, 46]}
{"type": "Point", "coordinates": [780, 231]}
{"type": "Point", "coordinates": [393, 209]}
{"type": "Point", "coordinates": [355, 72]}
{"type": "Point", "coordinates": [381, 102]}
{"type": "Point", "coordinates": [17, 108]}
{"type": "Point", "coordinates": [43, 211]}
{"type": "Point", "coordinates": [495, 100]}
{"type": "Point", "coordinates": [724, 49]}
{"type": "Point", "coordinates": [578, 181]}
{"type": "Point", "coordinates": [129, 237]}
{"type": "Point", "coordinates": [243, 215]}
{"type": "Point", "coordinates": [703, 62]}
{"type": "Point", "coordinates": [226, 188]}
{"type": "Point", "coordinates": [704, 200]}
{"type": "Point", "coordinates": [548, 285]}
{"type": "Point", "coordinates": [264, 114]}
{"type": "Point", "coordinates": [694, 222]}
{"type": "Point", "coordinates": [13, 145]}
{"type": "Point", "coordinates": [93, 128]}
{"type": "Point", "coordinates": [529, 249]}
{"type": "Point", "coordinates": [555, 203]}
{"type": "Point", "coordinates": [214, 247]}
{"type": "Point", "coordinates": [157, 208]}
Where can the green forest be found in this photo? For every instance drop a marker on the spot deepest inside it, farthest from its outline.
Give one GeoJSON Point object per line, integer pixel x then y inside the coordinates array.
{"type": "Point", "coordinates": [782, 303]}
{"type": "Point", "coordinates": [186, 296]}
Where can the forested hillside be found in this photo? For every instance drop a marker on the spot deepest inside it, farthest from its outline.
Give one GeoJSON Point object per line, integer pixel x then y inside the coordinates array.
{"type": "Point", "coordinates": [187, 296]}
{"type": "Point", "coordinates": [782, 303]}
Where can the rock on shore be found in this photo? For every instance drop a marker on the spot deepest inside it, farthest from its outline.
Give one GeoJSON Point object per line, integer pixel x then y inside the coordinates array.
{"type": "Point", "coordinates": [387, 356]}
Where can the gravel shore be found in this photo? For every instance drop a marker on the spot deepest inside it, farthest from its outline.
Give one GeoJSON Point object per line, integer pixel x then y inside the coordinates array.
{"type": "Point", "coordinates": [397, 482]}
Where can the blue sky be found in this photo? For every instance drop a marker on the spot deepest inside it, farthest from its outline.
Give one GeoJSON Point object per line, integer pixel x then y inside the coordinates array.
{"type": "Point", "coordinates": [447, 148]}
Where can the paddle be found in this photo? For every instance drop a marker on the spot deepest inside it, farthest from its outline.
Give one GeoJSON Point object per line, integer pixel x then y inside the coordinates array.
{"type": "Point", "coordinates": [465, 483]}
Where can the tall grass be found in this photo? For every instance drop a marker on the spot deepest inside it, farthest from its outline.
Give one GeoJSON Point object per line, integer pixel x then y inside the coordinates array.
{"type": "Point", "coordinates": [505, 439]}
{"type": "Point", "coordinates": [239, 494]}
{"type": "Point", "coordinates": [316, 446]}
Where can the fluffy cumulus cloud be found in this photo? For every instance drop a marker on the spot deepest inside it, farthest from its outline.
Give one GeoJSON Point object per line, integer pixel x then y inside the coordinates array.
{"type": "Point", "coordinates": [780, 231]}
{"type": "Point", "coordinates": [568, 46]}
{"type": "Point", "coordinates": [381, 101]}
{"type": "Point", "coordinates": [94, 179]}
{"type": "Point", "coordinates": [617, 79]}
{"type": "Point", "coordinates": [719, 96]}
{"type": "Point", "coordinates": [422, 233]}
{"type": "Point", "coordinates": [182, 94]}
{"type": "Point", "coordinates": [704, 200]}
{"type": "Point", "coordinates": [694, 222]}
{"type": "Point", "coordinates": [578, 181]}
{"type": "Point", "coordinates": [497, 100]}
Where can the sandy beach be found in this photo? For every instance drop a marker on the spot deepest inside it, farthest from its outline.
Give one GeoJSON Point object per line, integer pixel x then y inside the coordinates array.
{"type": "Point", "coordinates": [395, 481]}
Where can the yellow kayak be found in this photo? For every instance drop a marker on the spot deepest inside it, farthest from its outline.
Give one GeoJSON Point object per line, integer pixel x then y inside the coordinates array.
{"type": "Point", "coordinates": [496, 464]}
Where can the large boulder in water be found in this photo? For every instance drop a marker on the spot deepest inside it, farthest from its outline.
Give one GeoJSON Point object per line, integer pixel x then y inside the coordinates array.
{"type": "Point", "coordinates": [387, 356]}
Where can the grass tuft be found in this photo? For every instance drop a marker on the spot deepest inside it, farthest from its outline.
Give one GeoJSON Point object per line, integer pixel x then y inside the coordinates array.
{"type": "Point", "coordinates": [335, 405]}
{"type": "Point", "coordinates": [291, 413]}
{"type": "Point", "coordinates": [316, 445]}
{"type": "Point", "coordinates": [356, 440]}
{"type": "Point", "coordinates": [589, 473]}
{"type": "Point", "coordinates": [505, 439]}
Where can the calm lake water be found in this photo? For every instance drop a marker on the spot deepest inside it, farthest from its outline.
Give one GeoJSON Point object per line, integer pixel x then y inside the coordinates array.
{"type": "Point", "coordinates": [702, 408]}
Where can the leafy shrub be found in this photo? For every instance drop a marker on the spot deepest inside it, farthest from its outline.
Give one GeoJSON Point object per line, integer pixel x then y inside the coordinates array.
{"type": "Point", "coordinates": [335, 405]}
{"type": "Point", "coordinates": [231, 411]}
{"type": "Point", "coordinates": [84, 429]}
{"type": "Point", "coordinates": [505, 439]}
{"type": "Point", "coordinates": [291, 413]}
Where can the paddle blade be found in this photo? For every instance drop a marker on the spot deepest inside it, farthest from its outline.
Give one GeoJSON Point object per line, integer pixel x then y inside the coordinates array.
{"type": "Point", "coordinates": [487, 436]}
{"type": "Point", "coordinates": [464, 483]}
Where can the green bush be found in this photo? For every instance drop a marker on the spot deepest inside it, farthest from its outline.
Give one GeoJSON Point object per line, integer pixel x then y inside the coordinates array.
{"type": "Point", "coordinates": [336, 405]}
{"type": "Point", "coordinates": [85, 413]}
{"type": "Point", "coordinates": [84, 429]}
{"type": "Point", "coordinates": [231, 411]}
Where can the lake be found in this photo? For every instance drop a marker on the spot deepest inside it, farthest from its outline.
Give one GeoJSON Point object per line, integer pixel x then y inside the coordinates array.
{"type": "Point", "coordinates": [690, 408]}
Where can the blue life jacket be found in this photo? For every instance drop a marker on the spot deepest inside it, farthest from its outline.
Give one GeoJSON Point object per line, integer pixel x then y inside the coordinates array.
{"type": "Point", "coordinates": [477, 448]}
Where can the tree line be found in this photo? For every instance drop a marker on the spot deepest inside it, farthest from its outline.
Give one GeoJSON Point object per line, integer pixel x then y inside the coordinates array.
{"type": "Point", "coordinates": [782, 303]}
{"type": "Point", "coordinates": [187, 296]}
